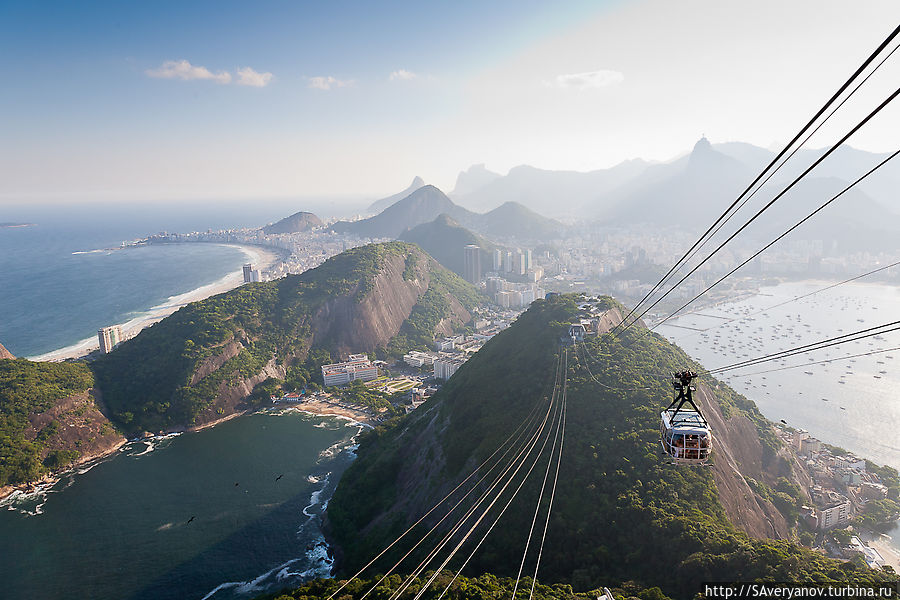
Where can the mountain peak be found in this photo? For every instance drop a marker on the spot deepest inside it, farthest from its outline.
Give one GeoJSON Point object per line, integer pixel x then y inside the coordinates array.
{"type": "Point", "coordinates": [473, 178]}
{"type": "Point", "coordinates": [383, 203]}
{"type": "Point", "coordinates": [702, 145]}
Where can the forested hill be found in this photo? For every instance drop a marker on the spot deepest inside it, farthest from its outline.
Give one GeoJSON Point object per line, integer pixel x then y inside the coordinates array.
{"type": "Point", "coordinates": [621, 513]}
{"type": "Point", "coordinates": [203, 362]}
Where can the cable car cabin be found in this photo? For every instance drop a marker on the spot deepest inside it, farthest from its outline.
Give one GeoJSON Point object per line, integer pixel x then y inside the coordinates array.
{"type": "Point", "coordinates": [576, 332]}
{"type": "Point", "coordinates": [683, 432]}
{"type": "Point", "coordinates": [685, 436]}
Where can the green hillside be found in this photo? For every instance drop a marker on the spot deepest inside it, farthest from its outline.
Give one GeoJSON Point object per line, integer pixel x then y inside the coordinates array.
{"type": "Point", "coordinates": [445, 239]}
{"type": "Point", "coordinates": [202, 361]}
{"type": "Point", "coordinates": [621, 513]}
{"type": "Point", "coordinates": [27, 388]}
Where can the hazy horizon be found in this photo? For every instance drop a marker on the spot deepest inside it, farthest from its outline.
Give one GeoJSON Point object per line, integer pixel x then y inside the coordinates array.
{"type": "Point", "coordinates": [169, 102]}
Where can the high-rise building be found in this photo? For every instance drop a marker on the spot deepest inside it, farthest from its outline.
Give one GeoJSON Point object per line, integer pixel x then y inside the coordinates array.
{"type": "Point", "coordinates": [250, 274]}
{"type": "Point", "coordinates": [508, 261]}
{"type": "Point", "coordinates": [528, 263]}
{"type": "Point", "coordinates": [498, 260]}
{"type": "Point", "coordinates": [109, 337]}
{"type": "Point", "coordinates": [472, 269]}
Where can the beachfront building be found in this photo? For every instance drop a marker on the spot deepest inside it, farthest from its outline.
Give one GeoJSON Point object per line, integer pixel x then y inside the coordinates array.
{"type": "Point", "coordinates": [358, 367]}
{"type": "Point", "coordinates": [109, 337]}
{"type": "Point", "coordinates": [250, 274]}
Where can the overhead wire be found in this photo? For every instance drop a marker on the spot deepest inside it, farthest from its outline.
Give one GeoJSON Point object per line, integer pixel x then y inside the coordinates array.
{"type": "Point", "coordinates": [520, 458]}
{"type": "Point", "coordinates": [526, 424]}
{"type": "Point", "coordinates": [540, 499]}
{"type": "Point", "coordinates": [820, 345]}
{"type": "Point", "coordinates": [500, 515]}
{"type": "Point", "coordinates": [521, 426]}
{"type": "Point", "coordinates": [791, 300]}
{"type": "Point", "coordinates": [799, 134]}
{"type": "Point", "coordinates": [718, 228]}
{"type": "Point", "coordinates": [553, 491]}
{"type": "Point", "coordinates": [777, 239]}
{"type": "Point", "coordinates": [815, 163]}
{"type": "Point", "coordinates": [472, 529]}
{"type": "Point", "coordinates": [818, 362]}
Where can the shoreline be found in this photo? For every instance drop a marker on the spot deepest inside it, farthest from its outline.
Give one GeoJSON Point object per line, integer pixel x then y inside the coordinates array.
{"type": "Point", "coordinates": [258, 255]}
{"type": "Point", "coordinates": [51, 479]}
{"type": "Point", "coordinates": [315, 408]}
{"type": "Point", "coordinates": [885, 546]}
{"type": "Point", "coordinates": [320, 408]}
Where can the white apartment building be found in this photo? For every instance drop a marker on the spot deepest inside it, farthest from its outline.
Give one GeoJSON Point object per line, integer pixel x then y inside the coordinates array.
{"type": "Point", "coordinates": [445, 367]}
{"type": "Point", "coordinates": [834, 515]}
{"type": "Point", "coordinates": [358, 367]}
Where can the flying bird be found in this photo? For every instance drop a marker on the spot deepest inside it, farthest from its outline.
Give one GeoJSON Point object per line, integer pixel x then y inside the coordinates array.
{"type": "Point", "coordinates": [783, 421]}
{"type": "Point", "coordinates": [279, 477]}
{"type": "Point", "coordinates": [191, 519]}
{"type": "Point", "coordinates": [236, 484]}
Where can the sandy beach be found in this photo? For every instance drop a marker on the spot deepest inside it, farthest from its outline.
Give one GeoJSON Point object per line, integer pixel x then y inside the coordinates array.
{"type": "Point", "coordinates": [261, 258]}
{"type": "Point", "coordinates": [883, 544]}
{"type": "Point", "coordinates": [324, 408]}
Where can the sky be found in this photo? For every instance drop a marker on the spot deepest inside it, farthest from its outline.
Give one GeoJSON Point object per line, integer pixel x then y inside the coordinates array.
{"type": "Point", "coordinates": [126, 101]}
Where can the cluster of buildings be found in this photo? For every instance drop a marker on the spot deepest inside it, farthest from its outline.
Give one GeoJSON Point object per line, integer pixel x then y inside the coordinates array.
{"type": "Point", "coordinates": [358, 367]}
{"type": "Point", "coordinates": [450, 353]}
{"type": "Point", "coordinates": [841, 485]}
{"type": "Point", "coordinates": [515, 262]}
{"type": "Point", "coordinates": [512, 295]}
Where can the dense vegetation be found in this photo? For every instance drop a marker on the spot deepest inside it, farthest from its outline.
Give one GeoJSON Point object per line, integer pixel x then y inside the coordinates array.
{"type": "Point", "coordinates": [174, 370]}
{"type": "Point", "coordinates": [27, 388]}
{"type": "Point", "coordinates": [621, 512]}
{"type": "Point", "coordinates": [485, 587]}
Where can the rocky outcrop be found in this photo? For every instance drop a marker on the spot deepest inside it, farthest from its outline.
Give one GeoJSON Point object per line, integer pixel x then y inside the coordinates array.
{"type": "Point", "coordinates": [77, 425]}
{"type": "Point", "coordinates": [739, 455]}
{"type": "Point", "coordinates": [4, 353]}
{"type": "Point", "coordinates": [347, 324]}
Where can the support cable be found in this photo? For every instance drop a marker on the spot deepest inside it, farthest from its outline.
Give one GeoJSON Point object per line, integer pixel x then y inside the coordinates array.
{"type": "Point", "coordinates": [799, 134]}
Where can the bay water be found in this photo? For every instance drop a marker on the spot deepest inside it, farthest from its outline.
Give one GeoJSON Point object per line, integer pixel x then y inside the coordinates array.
{"type": "Point", "coordinates": [851, 401]}
{"type": "Point", "coordinates": [227, 512]}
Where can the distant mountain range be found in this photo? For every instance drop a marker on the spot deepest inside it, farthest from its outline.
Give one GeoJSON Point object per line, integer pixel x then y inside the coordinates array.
{"type": "Point", "coordinates": [691, 191]}
{"type": "Point", "coordinates": [297, 222]}
{"type": "Point", "coordinates": [379, 205]}
{"type": "Point", "coordinates": [428, 202]}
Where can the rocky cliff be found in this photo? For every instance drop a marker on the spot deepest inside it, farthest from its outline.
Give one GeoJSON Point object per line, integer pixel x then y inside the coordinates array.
{"type": "Point", "coordinates": [4, 353]}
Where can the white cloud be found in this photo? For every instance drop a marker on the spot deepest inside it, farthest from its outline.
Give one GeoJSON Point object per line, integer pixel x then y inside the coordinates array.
{"type": "Point", "coordinates": [247, 76]}
{"type": "Point", "coordinates": [182, 69]}
{"type": "Point", "coordinates": [328, 82]}
{"type": "Point", "coordinates": [402, 75]}
{"type": "Point", "coordinates": [588, 80]}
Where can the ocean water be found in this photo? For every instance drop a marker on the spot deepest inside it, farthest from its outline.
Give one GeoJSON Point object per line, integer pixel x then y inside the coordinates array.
{"type": "Point", "coordinates": [122, 529]}
{"type": "Point", "coordinates": [63, 279]}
